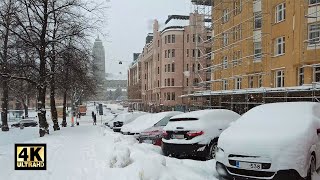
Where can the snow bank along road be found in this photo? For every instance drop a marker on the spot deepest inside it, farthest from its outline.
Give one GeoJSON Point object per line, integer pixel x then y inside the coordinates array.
{"type": "Point", "coordinates": [93, 152]}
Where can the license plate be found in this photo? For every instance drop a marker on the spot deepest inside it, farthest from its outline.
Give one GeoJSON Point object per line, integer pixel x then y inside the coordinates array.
{"type": "Point", "coordinates": [147, 141]}
{"type": "Point", "coordinates": [177, 136]}
{"type": "Point", "coordinates": [246, 165]}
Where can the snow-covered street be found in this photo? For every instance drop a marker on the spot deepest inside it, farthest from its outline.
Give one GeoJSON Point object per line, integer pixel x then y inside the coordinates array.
{"type": "Point", "coordinates": [93, 152]}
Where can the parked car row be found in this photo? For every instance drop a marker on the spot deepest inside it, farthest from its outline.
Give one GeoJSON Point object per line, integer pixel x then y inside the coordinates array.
{"type": "Point", "coordinates": [271, 141]}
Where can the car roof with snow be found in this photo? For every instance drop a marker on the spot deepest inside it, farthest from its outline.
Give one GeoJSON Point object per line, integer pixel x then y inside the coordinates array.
{"type": "Point", "coordinates": [205, 114]}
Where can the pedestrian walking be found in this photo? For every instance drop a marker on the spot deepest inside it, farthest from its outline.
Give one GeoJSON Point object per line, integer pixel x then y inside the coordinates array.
{"type": "Point", "coordinates": [95, 119]}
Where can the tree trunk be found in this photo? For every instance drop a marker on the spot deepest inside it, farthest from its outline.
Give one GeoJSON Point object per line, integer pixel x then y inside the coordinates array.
{"type": "Point", "coordinates": [43, 125]}
{"type": "Point", "coordinates": [26, 111]}
{"type": "Point", "coordinates": [5, 102]}
{"type": "Point", "coordinates": [64, 121]}
{"type": "Point", "coordinates": [54, 113]}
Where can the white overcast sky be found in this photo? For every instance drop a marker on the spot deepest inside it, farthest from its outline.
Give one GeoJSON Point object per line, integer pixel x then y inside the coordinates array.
{"type": "Point", "coordinates": [129, 21]}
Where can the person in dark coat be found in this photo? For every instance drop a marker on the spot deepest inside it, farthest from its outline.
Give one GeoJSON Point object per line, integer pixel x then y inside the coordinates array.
{"type": "Point", "coordinates": [95, 119]}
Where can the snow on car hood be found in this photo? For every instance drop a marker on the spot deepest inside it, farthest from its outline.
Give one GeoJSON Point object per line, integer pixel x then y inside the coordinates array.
{"type": "Point", "coordinates": [272, 130]}
{"type": "Point", "coordinates": [145, 122]}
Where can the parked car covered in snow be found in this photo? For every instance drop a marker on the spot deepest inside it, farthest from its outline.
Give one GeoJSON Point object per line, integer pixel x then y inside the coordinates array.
{"type": "Point", "coordinates": [26, 123]}
{"type": "Point", "coordinates": [146, 121]}
{"type": "Point", "coordinates": [154, 134]}
{"type": "Point", "coordinates": [127, 118]}
{"type": "Point", "coordinates": [272, 141]}
{"type": "Point", "coordinates": [196, 133]}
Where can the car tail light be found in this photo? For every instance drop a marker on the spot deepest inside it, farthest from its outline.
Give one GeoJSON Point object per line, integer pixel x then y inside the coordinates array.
{"type": "Point", "coordinates": [194, 133]}
{"type": "Point", "coordinates": [164, 134]}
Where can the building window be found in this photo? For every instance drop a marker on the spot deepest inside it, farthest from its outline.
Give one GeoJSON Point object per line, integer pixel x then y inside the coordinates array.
{"type": "Point", "coordinates": [260, 81]}
{"type": "Point", "coordinates": [172, 82]}
{"type": "Point", "coordinates": [187, 38]}
{"type": "Point", "coordinates": [199, 38]}
{"type": "Point", "coordinates": [158, 43]}
{"type": "Point", "coordinates": [187, 81]}
{"type": "Point", "coordinates": [225, 17]}
{"type": "Point", "coordinates": [169, 67]}
{"type": "Point", "coordinates": [168, 96]}
{"type": "Point", "coordinates": [158, 70]}
{"type": "Point", "coordinates": [165, 82]}
{"type": "Point", "coordinates": [158, 56]}
{"type": "Point", "coordinates": [169, 53]}
{"type": "Point", "coordinates": [158, 83]}
{"type": "Point", "coordinates": [172, 67]}
{"type": "Point", "coordinates": [199, 53]}
{"type": "Point", "coordinates": [280, 46]}
{"type": "Point", "coordinates": [225, 39]}
{"type": "Point", "coordinates": [237, 33]}
{"type": "Point", "coordinates": [195, 81]}
{"type": "Point", "coordinates": [168, 81]}
{"type": "Point", "coordinates": [165, 68]}
{"type": "Point", "coordinates": [224, 84]}
{"type": "Point", "coordinates": [165, 39]}
{"type": "Point", "coordinates": [199, 67]}
{"type": "Point", "coordinates": [257, 51]}
{"type": "Point", "coordinates": [316, 74]}
{"type": "Point", "coordinates": [169, 38]}
{"type": "Point", "coordinates": [187, 52]}
{"type": "Point", "coordinates": [312, 2]}
{"type": "Point", "coordinates": [173, 53]}
{"type": "Point", "coordinates": [145, 76]}
{"type": "Point", "coordinates": [193, 67]}
{"type": "Point", "coordinates": [279, 78]}
{"type": "Point", "coordinates": [314, 34]}
{"type": "Point", "coordinates": [301, 76]}
{"type": "Point", "coordinates": [193, 38]}
{"type": "Point", "coordinates": [165, 54]}
{"type": "Point", "coordinates": [237, 7]}
{"type": "Point", "coordinates": [225, 62]}
{"type": "Point", "coordinates": [145, 87]}
{"type": "Point", "coordinates": [250, 81]}
{"type": "Point", "coordinates": [280, 14]}
{"type": "Point", "coordinates": [193, 53]}
{"type": "Point", "coordinates": [257, 20]}
{"type": "Point", "coordinates": [238, 83]}
{"type": "Point", "coordinates": [187, 67]}
{"type": "Point", "coordinates": [173, 96]}
{"type": "Point", "coordinates": [173, 38]}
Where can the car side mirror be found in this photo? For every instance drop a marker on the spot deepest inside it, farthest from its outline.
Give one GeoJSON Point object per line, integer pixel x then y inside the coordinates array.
{"type": "Point", "coordinates": [318, 131]}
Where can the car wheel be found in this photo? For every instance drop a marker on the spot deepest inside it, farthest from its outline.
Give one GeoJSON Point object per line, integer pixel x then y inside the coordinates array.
{"type": "Point", "coordinates": [312, 168]}
{"type": "Point", "coordinates": [212, 151]}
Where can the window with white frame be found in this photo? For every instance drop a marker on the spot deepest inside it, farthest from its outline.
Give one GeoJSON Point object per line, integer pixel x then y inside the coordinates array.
{"type": "Point", "coordinates": [280, 46]}
{"type": "Point", "coordinates": [234, 59]}
{"type": "Point", "coordinates": [257, 20]}
{"type": "Point", "coordinates": [312, 2]}
{"type": "Point", "coordinates": [301, 76]}
{"type": "Point", "coordinates": [225, 16]}
{"type": "Point", "coordinates": [250, 81]}
{"type": "Point", "coordinates": [225, 62]}
{"type": "Point", "coordinates": [316, 74]}
{"type": "Point", "coordinates": [225, 39]}
{"type": "Point", "coordinates": [279, 78]}
{"type": "Point", "coordinates": [237, 84]}
{"type": "Point", "coordinates": [237, 7]}
{"type": "Point", "coordinates": [260, 81]}
{"type": "Point", "coordinates": [257, 50]}
{"type": "Point", "coordinates": [280, 12]}
{"type": "Point", "coordinates": [314, 34]}
{"type": "Point", "coordinates": [224, 84]}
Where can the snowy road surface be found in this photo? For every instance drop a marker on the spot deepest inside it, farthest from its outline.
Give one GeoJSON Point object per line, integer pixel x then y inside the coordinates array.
{"type": "Point", "coordinates": [91, 152]}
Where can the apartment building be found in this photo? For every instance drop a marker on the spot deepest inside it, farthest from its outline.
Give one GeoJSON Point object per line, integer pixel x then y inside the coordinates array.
{"type": "Point", "coordinates": [171, 62]}
{"type": "Point", "coordinates": [264, 51]}
{"type": "Point", "coordinates": [134, 83]}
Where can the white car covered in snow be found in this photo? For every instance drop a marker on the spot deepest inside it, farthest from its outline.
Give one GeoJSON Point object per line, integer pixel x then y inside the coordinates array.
{"type": "Point", "coordinates": [146, 121]}
{"type": "Point", "coordinates": [272, 141]}
{"type": "Point", "coordinates": [196, 133]}
{"type": "Point", "coordinates": [123, 119]}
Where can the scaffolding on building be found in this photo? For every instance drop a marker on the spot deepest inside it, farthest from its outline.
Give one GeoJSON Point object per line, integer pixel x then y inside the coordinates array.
{"type": "Point", "coordinates": [252, 61]}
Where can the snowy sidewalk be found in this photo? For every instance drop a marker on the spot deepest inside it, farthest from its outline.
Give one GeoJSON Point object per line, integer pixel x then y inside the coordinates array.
{"type": "Point", "coordinates": [92, 152]}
